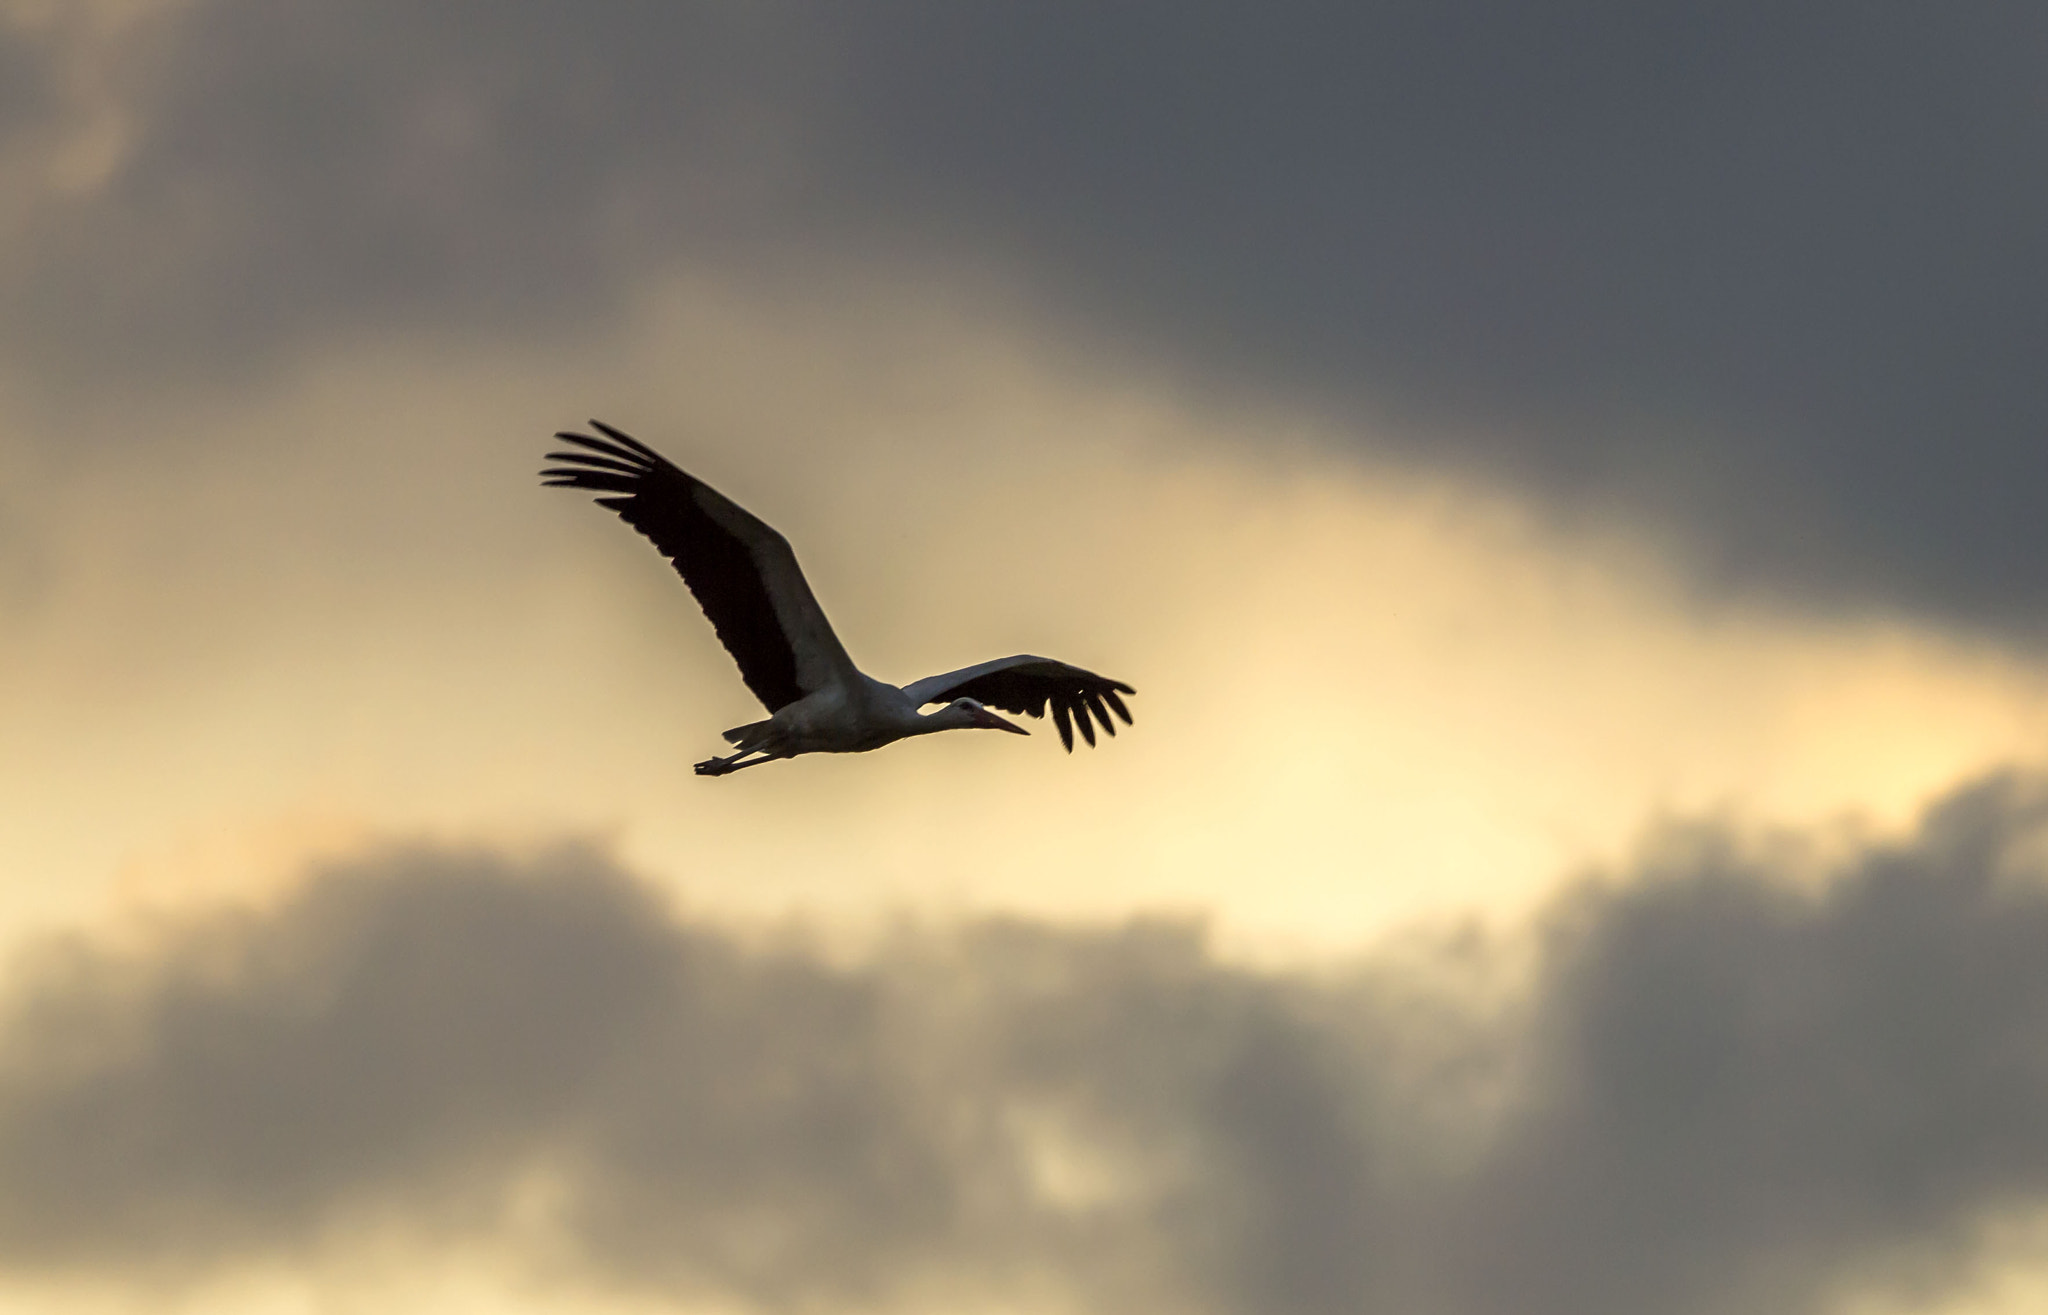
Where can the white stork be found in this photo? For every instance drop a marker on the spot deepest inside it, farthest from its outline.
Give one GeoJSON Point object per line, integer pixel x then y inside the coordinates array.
{"type": "Point", "coordinates": [746, 579]}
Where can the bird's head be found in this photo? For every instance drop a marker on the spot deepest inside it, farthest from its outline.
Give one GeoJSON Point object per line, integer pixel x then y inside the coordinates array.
{"type": "Point", "coordinates": [969, 712]}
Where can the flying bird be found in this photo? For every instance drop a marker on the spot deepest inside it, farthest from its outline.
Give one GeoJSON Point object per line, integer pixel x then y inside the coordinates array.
{"type": "Point", "coordinates": [746, 579]}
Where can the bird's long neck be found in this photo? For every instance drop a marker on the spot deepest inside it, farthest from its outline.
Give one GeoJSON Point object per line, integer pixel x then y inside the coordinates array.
{"type": "Point", "coordinates": [948, 718]}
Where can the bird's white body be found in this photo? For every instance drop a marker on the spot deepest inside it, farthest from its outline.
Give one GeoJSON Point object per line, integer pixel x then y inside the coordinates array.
{"type": "Point", "coordinates": [746, 578]}
{"type": "Point", "coordinates": [848, 717]}
{"type": "Point", "coordinates": [854, 717]}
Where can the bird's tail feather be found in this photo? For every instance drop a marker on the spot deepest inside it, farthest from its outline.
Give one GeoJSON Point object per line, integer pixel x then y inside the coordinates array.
{"type": "Point", "coordinates": [753, 730]}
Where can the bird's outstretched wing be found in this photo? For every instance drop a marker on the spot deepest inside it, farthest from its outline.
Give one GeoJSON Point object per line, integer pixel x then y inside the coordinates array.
{"type": "Point", "coordinates": [1027, 684]}
{"type": "Point", "coordinates": [743, 573]}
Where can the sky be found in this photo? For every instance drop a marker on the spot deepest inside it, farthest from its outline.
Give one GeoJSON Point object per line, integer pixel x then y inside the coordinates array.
{"type": "Point", "coordinates": [1562, 479]}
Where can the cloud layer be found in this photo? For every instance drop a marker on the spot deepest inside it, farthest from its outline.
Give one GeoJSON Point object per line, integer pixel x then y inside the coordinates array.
{"type": "Point", "coordinates": [1772, 275]}
{"type": "Point", "coordinates": [1725, 1089]}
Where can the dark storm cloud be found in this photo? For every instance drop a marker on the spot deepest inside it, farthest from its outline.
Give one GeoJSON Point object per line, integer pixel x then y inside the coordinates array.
{"type": "Point", "coordinates": [1775, 273]}
{"type": "Point", "coordinates": [1722, 1092]}
{"type": "Point", "coordinates": [303, 169]}
{"type": "Point", "coordinates": [29, 95]}
{"type": "Point", "coordinates": [1782, 269]}
{"type": "Point", "coordinates": [1746, 1085]}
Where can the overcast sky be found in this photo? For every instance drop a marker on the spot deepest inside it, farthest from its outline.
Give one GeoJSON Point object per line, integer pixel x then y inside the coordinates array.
{"type": "Point", "coordinates": [1563, 478]}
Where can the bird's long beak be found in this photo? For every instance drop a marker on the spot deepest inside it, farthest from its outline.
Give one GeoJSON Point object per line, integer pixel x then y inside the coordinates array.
{"type": "Point", "coordinates": [995, 723]}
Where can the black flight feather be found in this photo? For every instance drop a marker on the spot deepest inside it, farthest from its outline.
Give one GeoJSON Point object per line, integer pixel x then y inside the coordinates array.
{"type": "Point", "coordinates": [1030, 685]}
{"type": "Point", "coordinates": [660, 501]}
{"type": "Point", "coordinates": [1081, 720]}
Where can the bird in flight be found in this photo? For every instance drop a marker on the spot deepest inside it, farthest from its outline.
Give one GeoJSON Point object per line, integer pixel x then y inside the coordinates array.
{"type": "Point", "coordinates": [747, 581]}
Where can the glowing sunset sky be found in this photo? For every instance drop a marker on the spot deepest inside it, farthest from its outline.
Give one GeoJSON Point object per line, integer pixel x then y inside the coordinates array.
{"type": "Point", "coordinates": [1565, 483]}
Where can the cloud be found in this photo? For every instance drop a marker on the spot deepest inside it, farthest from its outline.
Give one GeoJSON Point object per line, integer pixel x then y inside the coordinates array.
{"type": "Point", "coordinates": [1725, 1089]}
{"type": "Point", "coordinates": [296, 173]}
{"type": "Point", "coordinates": [1767, 276]}
{"type": "Point", "coordinates": [28, 92]}
{"type": "Point", "coordinates": [1748, 1085]}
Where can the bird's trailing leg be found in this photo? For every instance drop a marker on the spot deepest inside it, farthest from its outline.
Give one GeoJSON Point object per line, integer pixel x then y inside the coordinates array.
{"type": "Point", "coordinates": [732, 763]}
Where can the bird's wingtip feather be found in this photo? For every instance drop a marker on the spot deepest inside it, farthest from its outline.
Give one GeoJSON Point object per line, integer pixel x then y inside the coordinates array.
{"type": "Point", "coordinates": [621, 436]}
{"type": "Point", "coordinates": [1065, 727]}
